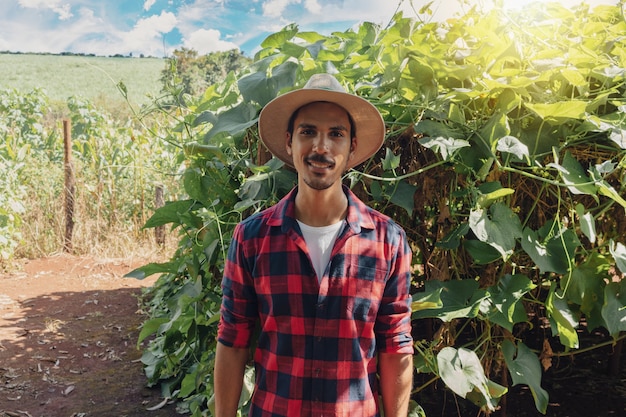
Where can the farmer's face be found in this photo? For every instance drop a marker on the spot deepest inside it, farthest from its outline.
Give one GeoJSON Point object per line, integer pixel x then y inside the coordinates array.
{"type": "Point", "coordinates": [320, 144]}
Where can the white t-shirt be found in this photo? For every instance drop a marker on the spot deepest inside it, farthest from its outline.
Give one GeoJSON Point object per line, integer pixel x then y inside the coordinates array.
{"type": "Point", "coordinates": [320, 241]}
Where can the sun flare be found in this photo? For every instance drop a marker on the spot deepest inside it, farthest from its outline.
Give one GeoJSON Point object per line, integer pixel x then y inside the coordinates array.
{"type": "Point", "coordinates": [521, 4]}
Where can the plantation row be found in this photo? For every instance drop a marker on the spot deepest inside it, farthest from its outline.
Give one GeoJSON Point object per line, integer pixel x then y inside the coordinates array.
{"type": "Point", "coordinates": [505, 162]}
{"type": "Point", "coordinates": [116, 163]}
{"type": "Point", "coordinates": [121, 152]}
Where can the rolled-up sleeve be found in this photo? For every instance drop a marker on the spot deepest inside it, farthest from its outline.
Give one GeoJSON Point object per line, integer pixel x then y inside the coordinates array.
{"type": "Point", "coordinates": [239, 303]}
{"type": "Point", "coordinates": [393, 324]}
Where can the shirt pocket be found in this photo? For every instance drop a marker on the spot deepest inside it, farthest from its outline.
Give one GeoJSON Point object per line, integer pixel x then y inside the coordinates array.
{"type": "Point", "coordinates": [365, 285]}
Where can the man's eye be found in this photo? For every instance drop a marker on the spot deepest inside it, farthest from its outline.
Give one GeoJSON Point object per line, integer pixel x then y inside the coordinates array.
{"type": "Point", "coordinates": [307, 132]}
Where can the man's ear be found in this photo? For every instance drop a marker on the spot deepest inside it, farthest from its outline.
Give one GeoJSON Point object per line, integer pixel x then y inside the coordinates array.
{"type": "Point", "coordinates": [288, 143]}
{"type": "Point", "coordinates": [352, 147]}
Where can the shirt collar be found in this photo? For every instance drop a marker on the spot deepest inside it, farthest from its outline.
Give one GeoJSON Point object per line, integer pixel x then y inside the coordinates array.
{"type": "Point", "coordinates": [358, 216]}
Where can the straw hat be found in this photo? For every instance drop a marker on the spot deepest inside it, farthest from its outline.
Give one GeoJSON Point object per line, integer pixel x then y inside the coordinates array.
{"type": "Point", "coordinates": [274, 118]}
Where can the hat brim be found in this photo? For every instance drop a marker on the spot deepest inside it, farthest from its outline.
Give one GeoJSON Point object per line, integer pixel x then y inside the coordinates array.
{"type": "Point", "coordinates": [274, 120]}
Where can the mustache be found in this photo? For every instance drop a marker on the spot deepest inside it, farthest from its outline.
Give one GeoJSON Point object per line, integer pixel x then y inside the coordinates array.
{"type": "Point", "coordinates": [320, 159]}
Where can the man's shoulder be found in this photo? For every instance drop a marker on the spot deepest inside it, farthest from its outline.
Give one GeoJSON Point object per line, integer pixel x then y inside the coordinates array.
{"type": "Point", "coordinates": [384, 221]}
{"type": "Point", "coordinates": [259, 217]}
{"type": "Point", "coordinates": [379, 219]}
{"type": "Point", "coordinates": [258, 223]}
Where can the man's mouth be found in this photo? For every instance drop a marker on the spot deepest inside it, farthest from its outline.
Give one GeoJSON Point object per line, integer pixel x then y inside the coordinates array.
{"type": "Point", "coordinates": [320, 162]}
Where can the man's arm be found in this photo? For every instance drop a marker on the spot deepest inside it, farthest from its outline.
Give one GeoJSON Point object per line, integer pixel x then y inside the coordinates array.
{"type": "Point", "coordinates": [396, 382]}
{"type": "Point", "coordinates": [230, 364]}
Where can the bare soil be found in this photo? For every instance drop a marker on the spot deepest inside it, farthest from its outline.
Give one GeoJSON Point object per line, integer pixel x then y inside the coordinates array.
{"type": "Point", "coordinates": [68, 340]}
{"type": "Point", "coordinates": [68, 333]}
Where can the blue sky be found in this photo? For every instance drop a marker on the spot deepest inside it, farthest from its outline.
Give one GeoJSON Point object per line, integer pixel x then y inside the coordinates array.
{"type": "Point", "coordinates": [157, 27]}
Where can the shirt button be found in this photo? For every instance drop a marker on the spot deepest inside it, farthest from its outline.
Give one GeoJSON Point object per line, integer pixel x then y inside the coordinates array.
{"type": "Point", "coordinates": [317, 372]}
{"type": "Point", "coordinates": [319, 338]}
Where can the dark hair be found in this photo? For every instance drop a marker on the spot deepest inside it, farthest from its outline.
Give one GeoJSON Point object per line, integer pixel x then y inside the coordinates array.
{"type": "Point", "coordinates": [292, 119]}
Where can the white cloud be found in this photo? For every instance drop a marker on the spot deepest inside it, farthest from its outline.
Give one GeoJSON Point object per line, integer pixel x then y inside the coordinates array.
{"type": "Point", "coordinates": [312, 6]}
{"type": "Point", "coordinates": [155, 24]}
{"type": "Point", "coordinates": [35, 4]}
{"type": "Point", "coordinates": [147, 35]}
{"type": "Point", "coordinates": [148, 4]}
{"type": "Point", "coordinates": [63, 10]}
{"type": "Point", "coordinates": [198, 20]}
{"type": "Point", "coordinates": [276, 8]}
{"type": "Point", "coordinates": [205, 41]}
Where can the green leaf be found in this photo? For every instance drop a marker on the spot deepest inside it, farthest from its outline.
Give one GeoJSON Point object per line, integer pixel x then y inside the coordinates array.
{"type": "Point", "coordinates": [496, 391]}
{"type": "Point", "coordinates": [463, 373]}
{"type": "Point", "coordinates": [587, 223]}
{"type": "Point", "coordinates": [195, 184]}
{"type": "Point", "coordinates": [551, 250]}
{"type": "Point", "coordinates": [434, 128]}
{"type": "Point", "coordinates": [562, 317]}
{"type": "Point", "coordinates": [496, 127]}
{"type": "Point", "coordinates": [504, 299]}
{"type": "Point", "coordinates": [499, 231]}
{"type": "Point", "coordinates": [234, 121]}
{"type": "Point", "coordinates": [460, 298]}
{"type": "Point", "coordinates": [328, 55]}
{"type": "Point", "coordinates": [391, 161]}
{"type": "Point", "coordinates": [259, 88]}
{"type": "Point", "coordinates": [171, 212]}
{"type": "Point", "coordinates": [525, 368]}
{"type": "Point", "coordinates": [418, 80]}
{"type": "Point", "coordinates": [206, 151]}
{"type": "Point", "coordinates": [618, 251]}
{"type": "Point", "coordinates": [482, 253]}
{"type": "Point", "coordinates": [153, 268]}
{"type": "Point", "coordinates": [585, 287]}
{"type": "Point", "coordinates": [203, 118]}
{"type": "Point", "coordinates": [415, 410]}
{"type": "Point", "coordinates": [276, 40]}
{"type": "Point", "coordinates": [150, 327]}
{"type": "Point", "coordinates": [427, 301]}
{"type": "Point", "coordinates": [559, 112]}
{"type": "Point", "coordinates": [403, 196]}
{"type": "Point", "coordinates": [190, 382]}
{"type": "Point", "coordinates": [619, 137]}
{"type": "Point", "coordinates": [460, 370]}
{"type": "Point", "coordinates": [614, 308]}
{"type": "Point", "coordinates": [453, 239]}
{"type": "Point", "coordinates": [574, 176]}
{"type": "Point", "coordinates": [605, 189]}
{"type": "Point", "coordinates": [248, 386]}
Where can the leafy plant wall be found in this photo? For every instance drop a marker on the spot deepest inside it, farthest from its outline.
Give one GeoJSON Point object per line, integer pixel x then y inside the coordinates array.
{"type": "Point", "coordinates": [504, 161]}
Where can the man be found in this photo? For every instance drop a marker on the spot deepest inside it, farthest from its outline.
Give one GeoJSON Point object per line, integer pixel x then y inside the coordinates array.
{"type": "Point", "coordinates": [324, 277]}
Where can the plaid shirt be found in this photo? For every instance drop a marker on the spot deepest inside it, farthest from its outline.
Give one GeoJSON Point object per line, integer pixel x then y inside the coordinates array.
{"type": "Point", "coordinates": [316, 351]}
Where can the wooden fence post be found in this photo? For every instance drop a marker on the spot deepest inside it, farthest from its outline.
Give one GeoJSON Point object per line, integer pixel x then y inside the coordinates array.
{"type": "Point", "coordinates": [69, 185]}
{"type": "Point", "coordinates": [159, 201]}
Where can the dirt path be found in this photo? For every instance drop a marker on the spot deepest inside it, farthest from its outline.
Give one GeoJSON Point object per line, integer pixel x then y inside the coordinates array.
{"type": "Point", "coordinates": [68, 332]}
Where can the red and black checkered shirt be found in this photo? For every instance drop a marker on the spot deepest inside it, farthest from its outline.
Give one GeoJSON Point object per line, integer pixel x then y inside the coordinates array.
{"type": "Point", "coordinates": [316, 353]}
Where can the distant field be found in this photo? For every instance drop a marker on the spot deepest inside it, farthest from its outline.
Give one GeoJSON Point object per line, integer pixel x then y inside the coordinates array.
{"type": "Point", "coordinates": [93, 78]}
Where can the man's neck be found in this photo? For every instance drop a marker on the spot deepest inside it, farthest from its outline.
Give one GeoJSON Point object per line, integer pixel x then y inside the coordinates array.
{"type": "Point", "coordinates": [321, 207]}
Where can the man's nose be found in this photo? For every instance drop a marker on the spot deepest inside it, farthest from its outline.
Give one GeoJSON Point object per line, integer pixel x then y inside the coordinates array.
{"type": "Point", "coordinates": [320, 144]}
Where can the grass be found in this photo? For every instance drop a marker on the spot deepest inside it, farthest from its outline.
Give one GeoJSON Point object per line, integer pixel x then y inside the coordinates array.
{"type": "Point", "coordinates": [90, 77]}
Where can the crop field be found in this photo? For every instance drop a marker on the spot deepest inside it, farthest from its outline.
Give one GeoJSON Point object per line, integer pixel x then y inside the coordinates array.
{"type": "Point", "coordinates": [89, 77]}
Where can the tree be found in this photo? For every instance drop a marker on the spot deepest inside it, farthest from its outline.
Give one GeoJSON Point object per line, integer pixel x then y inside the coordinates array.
{"type": "Point", "coordinates": [193, 73]}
